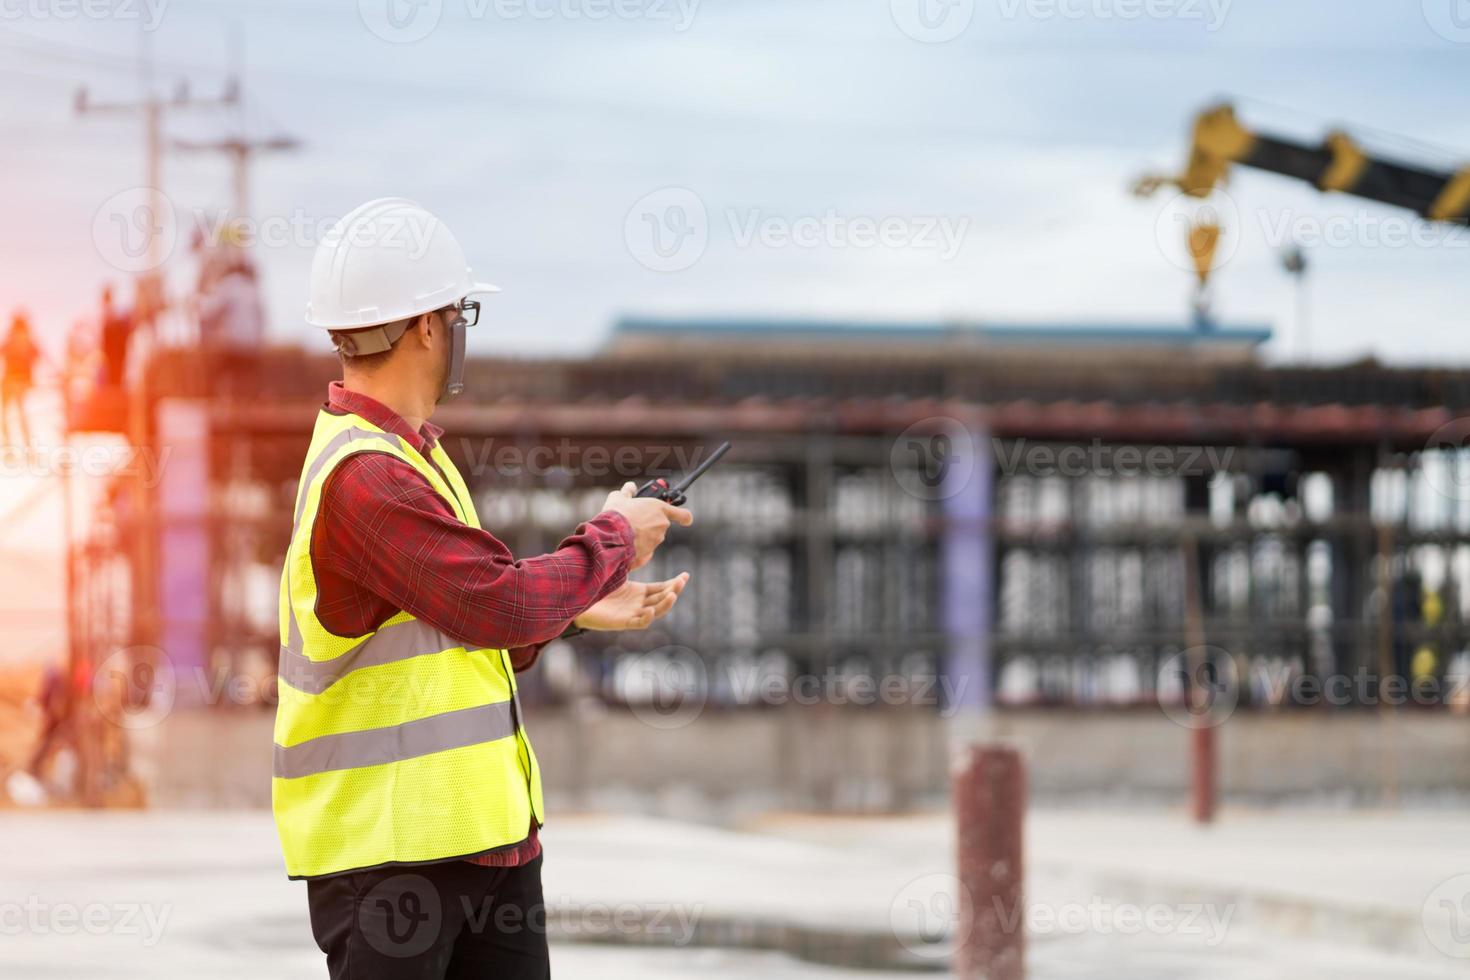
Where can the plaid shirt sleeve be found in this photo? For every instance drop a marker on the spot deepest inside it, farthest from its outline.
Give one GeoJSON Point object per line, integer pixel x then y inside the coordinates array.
{"type": "Point", "coordinates": [383, 527]}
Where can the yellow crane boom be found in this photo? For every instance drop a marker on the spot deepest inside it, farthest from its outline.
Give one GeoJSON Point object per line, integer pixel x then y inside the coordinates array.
{"type": "Point", "coordinates": [1339, 163]}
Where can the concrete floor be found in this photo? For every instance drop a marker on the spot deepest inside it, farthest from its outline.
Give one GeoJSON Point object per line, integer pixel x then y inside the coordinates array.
{"type": "Point", "coordinates": [181, 894]}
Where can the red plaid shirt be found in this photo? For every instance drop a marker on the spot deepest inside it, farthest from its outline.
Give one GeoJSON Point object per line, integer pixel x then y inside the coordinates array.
{"type": "Point", "coordinates": [385, 541]}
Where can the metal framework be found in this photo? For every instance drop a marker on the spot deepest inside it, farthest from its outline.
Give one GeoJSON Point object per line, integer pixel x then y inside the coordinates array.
{"type": "Point", "coordinates": [1327, 532]}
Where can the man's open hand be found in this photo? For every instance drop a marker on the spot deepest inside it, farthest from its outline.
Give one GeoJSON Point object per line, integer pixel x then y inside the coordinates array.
{"type": "Point", "coordinates": [633, 606]}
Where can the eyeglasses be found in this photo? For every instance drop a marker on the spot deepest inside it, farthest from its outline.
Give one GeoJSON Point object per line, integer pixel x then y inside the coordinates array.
{"type": "Point", "coordinates": [465, 309]}
{"type": "Point", "coordinates": [469, 309]}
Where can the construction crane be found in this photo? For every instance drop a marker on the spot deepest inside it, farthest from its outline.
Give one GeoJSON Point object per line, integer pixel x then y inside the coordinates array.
{"type": "Point", "coordinates": [1339, 163]}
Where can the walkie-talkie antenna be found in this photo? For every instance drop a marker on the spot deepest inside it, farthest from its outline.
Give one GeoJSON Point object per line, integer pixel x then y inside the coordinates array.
{"type": "Point", "coordinates": [698, 471]}
{"type": "Point", "coordinates": [659, 487]}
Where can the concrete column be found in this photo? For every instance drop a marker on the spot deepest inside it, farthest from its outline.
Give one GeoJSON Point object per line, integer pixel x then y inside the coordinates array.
{"type": "Point", "coordinates": [967, 573]}
{"type": "Point", "coordinates": [183, 496]}
{"type": "Point", "coordinates": [990, 806]}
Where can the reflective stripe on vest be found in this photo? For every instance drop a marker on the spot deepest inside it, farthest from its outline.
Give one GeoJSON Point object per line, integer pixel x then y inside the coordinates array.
{"type": "Point", "coordinates": [401, 745]}
{"type": "Point", "coordinates": [353, 750]}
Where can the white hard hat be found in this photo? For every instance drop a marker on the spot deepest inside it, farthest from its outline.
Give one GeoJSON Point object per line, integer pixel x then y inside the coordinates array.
{"type": "Point", "coordinates": [388, 260]}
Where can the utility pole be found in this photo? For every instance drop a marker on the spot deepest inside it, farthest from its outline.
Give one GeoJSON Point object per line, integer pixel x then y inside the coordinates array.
{"type": "Point", "coordinates": [148, 304]}
{"type": "Point", "coordinates": [151, 108]}
{"type": "Point", "coordinates": [1294, 261]}
{"type": "Point", "coordinates": [240, 148]}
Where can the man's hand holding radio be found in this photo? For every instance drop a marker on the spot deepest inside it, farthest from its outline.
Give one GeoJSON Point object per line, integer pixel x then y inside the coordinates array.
{"type": "Point", "coordinates": [650, 518]}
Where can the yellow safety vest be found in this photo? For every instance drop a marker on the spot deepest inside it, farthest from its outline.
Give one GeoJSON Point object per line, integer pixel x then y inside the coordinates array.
{"type": "Point", "coordinates": [399, 746]}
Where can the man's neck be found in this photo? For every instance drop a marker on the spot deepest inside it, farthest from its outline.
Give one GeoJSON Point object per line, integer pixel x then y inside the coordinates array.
{"type": "Point", "coordinates": [406, 405]}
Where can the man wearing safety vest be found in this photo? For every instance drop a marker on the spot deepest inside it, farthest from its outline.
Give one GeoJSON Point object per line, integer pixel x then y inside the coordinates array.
{"type": "Point", "coordinates": [405, 789]}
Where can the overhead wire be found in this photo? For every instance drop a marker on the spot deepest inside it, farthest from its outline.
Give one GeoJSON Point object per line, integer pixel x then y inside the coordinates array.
{"type": "Point", "coordinates": [1413, 146]}
{"type": "Point", "coordinates": [415, 91]}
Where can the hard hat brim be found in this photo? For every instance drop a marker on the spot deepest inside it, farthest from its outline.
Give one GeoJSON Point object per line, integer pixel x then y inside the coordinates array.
{"type": "Point", "coordinates": [482, 287]}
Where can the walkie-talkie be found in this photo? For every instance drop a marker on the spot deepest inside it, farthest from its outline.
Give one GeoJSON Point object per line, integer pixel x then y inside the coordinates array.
{"type": "Point", "coordinates": [677, 494]}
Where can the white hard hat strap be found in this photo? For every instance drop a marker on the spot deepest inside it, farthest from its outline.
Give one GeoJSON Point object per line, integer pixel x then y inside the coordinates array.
{"type": "Point", "coordinates": [373, 340]}
{"type": "Point", "coordinates": [454, 377]}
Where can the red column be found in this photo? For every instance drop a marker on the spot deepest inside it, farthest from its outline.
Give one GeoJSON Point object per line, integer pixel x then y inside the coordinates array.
{"type": "Point", "coordinates": [1205, 779]}
{"type": "Point", "coordinates": [990, 804]}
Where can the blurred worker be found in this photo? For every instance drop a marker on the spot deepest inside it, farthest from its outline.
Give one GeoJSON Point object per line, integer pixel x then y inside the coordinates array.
{"type": "Point", "coordinates": [1406, 606]}
{"type": "Point", "coordinates": [79, 366]}
{"type": "Point", "coordinates": [54, 700]}
{"type": "Point", "coordinates": [231, 315]}
{"type": "Point", "coordinates": [231, 322]}
{"type": "Point", "coordinates": [399, 740]}
{"type": "Point", "coordinates": [116, 327]}
{"type": "Point", "coordinates": [32, 785]}
{"type": "Point", "coordinates": [19, 354]}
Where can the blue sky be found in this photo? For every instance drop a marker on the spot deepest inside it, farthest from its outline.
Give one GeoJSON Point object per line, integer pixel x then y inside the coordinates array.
{"type": "Point", "coordinates": [537, 130]}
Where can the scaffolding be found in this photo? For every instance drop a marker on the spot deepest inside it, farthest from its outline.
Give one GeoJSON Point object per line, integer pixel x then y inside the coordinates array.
{"type": "Point", "coordinates": [1053, 573]}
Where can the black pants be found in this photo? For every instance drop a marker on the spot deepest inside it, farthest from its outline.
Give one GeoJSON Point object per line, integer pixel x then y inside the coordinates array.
{"type": "Point", "coordinates": [454, 920]}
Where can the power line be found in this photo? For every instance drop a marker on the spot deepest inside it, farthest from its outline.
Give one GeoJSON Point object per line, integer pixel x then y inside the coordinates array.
{"type": "Point", "coordinates": [1414, 146]}
{"type": "Point", "coordinates": [94, 57]}
{"type": "Point", "coordinates": [33, 76]}
{"type": "Point", "coordinates": [399, 89]}
{"type": "Point", "coordinates": [241, 149]}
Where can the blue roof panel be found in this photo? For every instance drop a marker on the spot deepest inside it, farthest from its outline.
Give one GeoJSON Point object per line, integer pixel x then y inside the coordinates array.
{"type": "Point", "coordinates": [1119, 334]}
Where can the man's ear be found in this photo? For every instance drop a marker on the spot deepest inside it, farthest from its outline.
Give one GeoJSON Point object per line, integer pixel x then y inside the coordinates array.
{"type": "Point", "coordinates": [424, 328]}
